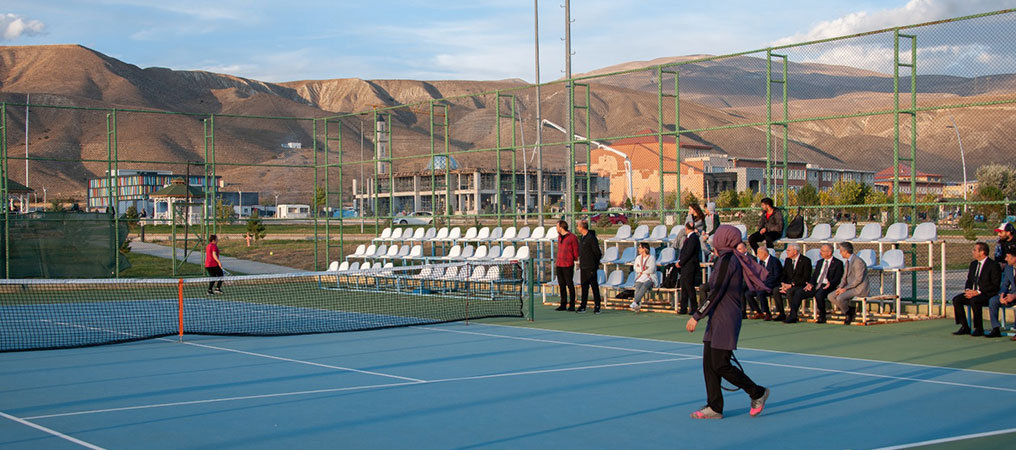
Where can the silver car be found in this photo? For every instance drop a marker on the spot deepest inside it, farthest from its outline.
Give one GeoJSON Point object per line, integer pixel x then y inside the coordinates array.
{"type": "Point", "coordinates": [416, 218]}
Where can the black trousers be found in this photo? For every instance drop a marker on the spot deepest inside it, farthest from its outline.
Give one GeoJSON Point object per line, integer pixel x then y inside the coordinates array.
{"type": "Point", "coordinates": [759, 301]}
{"type": "Point", "coordinates": [794, 294]}
{"type": "Point", "coordinates": [977, 305]}
{"type": "Point", "coordinates": [716, 366]}
{"type": "Point", "coordinates": [566, 283]}
{"type": "Point", "coordinates": [214, 272]}
{"type": "Point", "coordinates": [589, 280]}
{"type": "Point", "coordinates": [688, 295]}
{"type": "Point", "coordinates": [770, 237]}
{"type": "Point", "coordinates": [820, 296]}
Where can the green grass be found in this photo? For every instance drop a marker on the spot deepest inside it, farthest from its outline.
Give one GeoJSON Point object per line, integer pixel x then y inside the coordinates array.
{"type": "Point", "coordinates": [926, 342]}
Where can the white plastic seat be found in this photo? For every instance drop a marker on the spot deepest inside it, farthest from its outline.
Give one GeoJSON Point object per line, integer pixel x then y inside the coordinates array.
{"type": "Point", "coordinates": [470, 235]}
{"type": "Point", "coordinates": [428, 234]}
{"type": "Point", "coordinates": [481, 253]}
{"type": "Point", "coordinates": [334, 266]}
{"type": "Point", "coordinates": [601, 277]}
{"type": "Point", "coordinates": [483, 235]}
{"type": "Point", "coordinates": [393, 252]}
{"type": "Point", "coordinates": [522, 254]}
{"type": "Point", "coordinates": [507, 253]}
{"type": "Point", "coordinates": [495, 234]}
{"type": "Point", "coordinates": [509, 235]}
{"type": "Point", "coordinates": [630, 282]}
{"type": "Point", "coordinates": [658, 235]}
{"type": "Point", "coordinates": [478, 273]}
{"type": "Point", "coordinates": [896, 232]}
{"type": "Point", "coordinates": [522, 234]}
{"type": "Point", "coordinates": [744, 231]}
{"type": "Point", "coordinates": [814, 255]}
{"type": "Point", "coordinates": [389, 266]}
{"type": "Point", "coordinates": [385, 234]}
{"type": "Point", "coordinates": [674, 233]}
{"type": "Point", "coordinates": [382, 250]}
{"type": "Point", "coordinates": [425, 272]}
{"type": "Point", "coordinates": [493, 252]}
{"type": "Point", "coordinates": [365, 266]}
{"type": "Point", "coordinates": [871, 232]}
{"type": "Point", "coordinates": [343, 267]}
{"type": "Point", "coordinates": [925, 232]}
{"type": "Point", "coordinates": [369, 252]}
{"type": "Point", "coordinates": [454, 253]}
{"type": "Point", "coordinates": [772, 252]}
{"type": "Point", "coordinates": [609, 256]}
{"type": "Point", "coordinates": [396, 235]}
{"type": "Point", "coordinates": [360, 250]}
{"type": "Point", "coordinates": [641, 233]}
{"type": "Point", "coordinates": [415, 253]}
{"type": "Point", "coordinates": [454, 235]}
{"type": "Point", "coordinates": [493, 274]}
{"type": "Point", "coordinates": [451, 273]}
{"type": "Point", "coordinates": [442, 235]}
{"type": "Point", "coordinates": [623, 233]}
{"type": "Point", "coordinates": [627, 257]}
{"type": "Point", "coordinates": [667, 256]}
{"type": "Point", "coordinates": [845, 232]}
{"type": "Point", "coordinates": [551, 235]}
{"type": "Point", "coordinates": [405, 250]}
{"type": "Point", "coordinates": [891, 260]}
{"type": "Point", "coordinates": [537, 235]}
{"type": "Point", "coordinates": [821, 233]}
{"type": "Point", "coordinates": [437, 272]}
{"type": "Point", "coordinates": [467, 252]}
{"type": "Point", "coordinates": [354, 266]}
{"type": "Point", "coordinates": [868, 256]}
{"type": "Point", "coordinates": [412, 233]}
{"type": "Point", "coordinates": [614, 279]}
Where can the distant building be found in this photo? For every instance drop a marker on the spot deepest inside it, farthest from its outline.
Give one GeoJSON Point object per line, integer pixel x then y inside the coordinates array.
{"type": "Point", "coordinates": [135, 186]}
{"type": "Point", "coordinates": [927, 183]}
{"type": "Point", "coordinates": [292, 211]}
{"type": "Point", "coordinates": [17, 196]}
{"type": "Point", "coordinates": [473, 190]}
{"type": "Point", "coordinates": [292, 145]}
{"type": "Point", "coordinates": [955, 190]}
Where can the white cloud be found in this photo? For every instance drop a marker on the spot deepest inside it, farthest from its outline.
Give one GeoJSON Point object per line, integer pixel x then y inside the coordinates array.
{"type": "Point", "coordinates": [13, 26]}
{"type": "Point", "coordinates": [915, 11]}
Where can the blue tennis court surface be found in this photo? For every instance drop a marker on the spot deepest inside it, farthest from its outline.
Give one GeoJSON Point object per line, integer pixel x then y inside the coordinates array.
{"type": "Point", "coordinates": [472, 386]}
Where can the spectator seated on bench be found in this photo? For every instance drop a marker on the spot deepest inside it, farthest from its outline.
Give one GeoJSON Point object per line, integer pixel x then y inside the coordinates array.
{"type": "Point", "coordinates": [853, 284]}
{"type": "Point", "coordinates": [983, 279]}
{"type": "Point", "coordinates": [1006, 293]}
{"type": "Point", "coordinates": [770, 225]}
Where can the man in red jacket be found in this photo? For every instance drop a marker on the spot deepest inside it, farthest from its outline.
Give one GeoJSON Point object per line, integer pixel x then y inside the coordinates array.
{"type": "Point", "coordinates": [564, 267]}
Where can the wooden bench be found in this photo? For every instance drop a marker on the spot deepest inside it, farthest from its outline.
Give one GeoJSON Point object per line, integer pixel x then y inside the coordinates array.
{"type": "Point", "coordinates": [880, 300]}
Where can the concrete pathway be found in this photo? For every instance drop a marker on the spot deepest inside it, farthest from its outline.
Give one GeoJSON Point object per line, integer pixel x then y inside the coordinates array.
{"type": "Point", "coordinates": [232, 264]}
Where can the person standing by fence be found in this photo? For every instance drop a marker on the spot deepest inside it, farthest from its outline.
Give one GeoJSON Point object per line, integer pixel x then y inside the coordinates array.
{"type": "Point", "coordinates": [567, 254]}
{"type": "Point", "coordinates": [589, 264]}
{"type": "Point", "coordinates": [691, 270]}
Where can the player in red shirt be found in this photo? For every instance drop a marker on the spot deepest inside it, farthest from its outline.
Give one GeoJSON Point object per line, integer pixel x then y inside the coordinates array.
{"type": "Point", "coordinates": [567, 254]}
{"type": "Point", "coordinates": [213, 265]}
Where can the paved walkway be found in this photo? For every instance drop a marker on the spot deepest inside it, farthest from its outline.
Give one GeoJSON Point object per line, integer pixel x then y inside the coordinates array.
{"type": "Point", "coordinates": [232, 264]}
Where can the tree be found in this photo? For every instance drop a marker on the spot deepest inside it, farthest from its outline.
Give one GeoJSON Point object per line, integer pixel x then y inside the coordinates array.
{"type": "Point", "coordinates": [320, 199]}
{"type": "Point", "coordinates": [56, 205]}
{"type": "Point", "coordinates": [224, 212]}
{"type": "Point", "coordinates": [728, 199]}
{"type": "Point", "coordinates": [807, 196]}
{"type": "Point", "coordinates": [966, 223]}
{"type": "Point", "coordinates": [997, 179]}
{"type": "Point", "coordinates": [749, 198]}
{"type": "Point", "coordinates": [688, 198]}
{"type": "Point", "coordinates": [648, 201]}
{"type": "Point", "coordinates": [132, 216]}
{"type": "Point", "coordinates": [255, 226]}
{"type": "Point", "coordinates": [627, 204]}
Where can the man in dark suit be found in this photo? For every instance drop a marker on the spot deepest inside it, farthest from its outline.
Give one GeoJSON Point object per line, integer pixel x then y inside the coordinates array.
{"type": "Point", "coordinates": [759, 300]}
{"type": "Point", "coordinates": [796, 275]}
{"type": "Point", "coordinates": [824, 280]}
{"type": "Point", "coordinates": [688, 263]}
{"type": "Point", "coordinates": [589, 262]}
{"type": "Point", "coordinates": [983, 280]}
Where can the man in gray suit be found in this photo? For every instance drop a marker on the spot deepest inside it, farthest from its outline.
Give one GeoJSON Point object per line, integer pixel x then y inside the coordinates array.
{"type": "Point", "coordinates": [854, 283]}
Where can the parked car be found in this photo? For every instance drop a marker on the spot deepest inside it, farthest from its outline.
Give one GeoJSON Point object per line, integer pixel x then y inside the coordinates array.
{"type": "Point", "coordinates": [416, 218]}
{"type": "Point", "coordinates": [612, 218]}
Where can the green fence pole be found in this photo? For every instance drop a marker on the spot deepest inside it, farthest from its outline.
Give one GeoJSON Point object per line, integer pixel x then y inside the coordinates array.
{"type": "Point", "coordinates": [530, 273]}
{"type": "Point", "coordinates": [3, 189]}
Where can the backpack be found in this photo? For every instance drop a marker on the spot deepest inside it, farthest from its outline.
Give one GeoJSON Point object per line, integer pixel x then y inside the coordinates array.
{"type": "Point", "coordinates": [795, 229]}
{"type": "Point", "coordinates": [670, 277]}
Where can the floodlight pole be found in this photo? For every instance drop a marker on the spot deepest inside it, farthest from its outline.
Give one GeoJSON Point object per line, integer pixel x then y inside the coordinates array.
{"type": "Point", "coordinates": [570, 191]}
{"type": "Point", "coordinates": [963, 160]}
{"type": "Point", "coordinates": [539, 131]}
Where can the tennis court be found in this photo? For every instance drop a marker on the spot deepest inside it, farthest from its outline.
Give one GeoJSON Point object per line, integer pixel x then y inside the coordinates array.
{"type": "Point", "coordinates": [480, 385]}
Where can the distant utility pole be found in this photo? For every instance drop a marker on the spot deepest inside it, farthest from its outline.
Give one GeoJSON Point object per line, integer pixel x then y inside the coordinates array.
{"type": "Point", "coordinates": [539, 129]}
{"type": "Point", "coordinates": [570, 192]}
{"type": "Point", "coordinates": [28, 98]}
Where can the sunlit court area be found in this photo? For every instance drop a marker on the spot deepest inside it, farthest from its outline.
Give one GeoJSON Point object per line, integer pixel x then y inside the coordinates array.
{"type": "Point", "coordinates": [533, 225]}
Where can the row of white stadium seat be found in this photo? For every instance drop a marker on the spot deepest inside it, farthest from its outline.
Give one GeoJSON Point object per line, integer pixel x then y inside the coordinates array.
{"type": "Point", "coordinates": [456, 253]}
{"type": "Point", "coordinates": [614, 256]}
{"type": "Point", "coordinates": [463, 272]}
{"type": "Point", "coordinates": [473, 234]}
{"type": "Point", "coordinates": [616, 279]}
{"type": "Point", "coordinates": [897, 233]}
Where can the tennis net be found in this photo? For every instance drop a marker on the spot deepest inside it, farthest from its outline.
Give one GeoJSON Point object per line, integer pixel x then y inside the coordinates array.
{"type": "Point", "coordinates": [50, 314]}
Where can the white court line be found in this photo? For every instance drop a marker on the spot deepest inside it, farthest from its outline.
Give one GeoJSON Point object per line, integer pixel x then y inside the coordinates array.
{"type": "Point", "coordinates": [699, 344]}
{"type": "Point", "coordinates": [949, 439]}
{"type": "Point", "coordinates": [51, 431]}
{"type": "Point", "coordinates": [789, 366]}
{"type": "Point", "coordinates": [300, 361]}
{"type": "Point", "coordinates": [355, 388]}
{"type": "Point", "coordinates": [279, 358]}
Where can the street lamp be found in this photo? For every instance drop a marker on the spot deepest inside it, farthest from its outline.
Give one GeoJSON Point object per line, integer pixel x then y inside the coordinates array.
{"type": "Point", "coordinates": [963, 158]}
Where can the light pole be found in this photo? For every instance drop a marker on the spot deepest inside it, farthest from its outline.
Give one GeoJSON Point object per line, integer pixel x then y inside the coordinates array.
{"type": "Point", "coordinates": [276, 205]}
{"type": "Point", "coordinates": [963, 158]}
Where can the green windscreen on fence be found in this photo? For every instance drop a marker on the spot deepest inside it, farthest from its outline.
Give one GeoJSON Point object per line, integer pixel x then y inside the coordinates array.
{"type": "Point", "coordinates": [63, 245]}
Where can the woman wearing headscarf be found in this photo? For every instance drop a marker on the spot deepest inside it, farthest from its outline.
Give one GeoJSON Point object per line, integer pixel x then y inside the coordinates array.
{"type": "Point", "coordinates": [732, 272]}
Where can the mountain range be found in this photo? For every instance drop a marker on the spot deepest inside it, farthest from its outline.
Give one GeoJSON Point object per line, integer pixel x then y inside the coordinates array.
{"type": "Point", "coordinates": [714, 93]}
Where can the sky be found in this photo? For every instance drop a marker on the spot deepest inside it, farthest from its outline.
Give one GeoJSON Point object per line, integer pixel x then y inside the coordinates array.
{"type": "Point", "coordinates": [492, 39]}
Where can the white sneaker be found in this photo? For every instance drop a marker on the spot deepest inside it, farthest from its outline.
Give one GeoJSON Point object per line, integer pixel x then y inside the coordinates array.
{"type": "Point", "coordinates": [634, 306]}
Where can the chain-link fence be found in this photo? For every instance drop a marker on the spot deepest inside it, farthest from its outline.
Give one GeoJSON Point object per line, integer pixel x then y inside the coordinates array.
{"type": "Point", "coordinates": [867, 128]}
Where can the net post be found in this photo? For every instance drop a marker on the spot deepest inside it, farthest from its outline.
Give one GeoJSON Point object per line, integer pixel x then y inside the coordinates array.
{"type": "Point", "coordinates": [529, 288]}
{"type": "Point", "coordinates": [179, 297]}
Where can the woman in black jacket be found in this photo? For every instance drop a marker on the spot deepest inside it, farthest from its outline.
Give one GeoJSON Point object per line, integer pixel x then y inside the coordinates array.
{"type": "Point", "coordinates": [589, 264]}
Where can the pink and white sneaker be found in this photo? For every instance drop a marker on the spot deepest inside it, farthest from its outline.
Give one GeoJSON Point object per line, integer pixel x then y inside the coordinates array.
{"type": "Point", "coordinates": [758, 404]}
